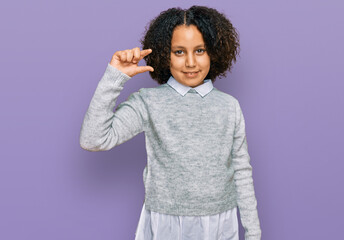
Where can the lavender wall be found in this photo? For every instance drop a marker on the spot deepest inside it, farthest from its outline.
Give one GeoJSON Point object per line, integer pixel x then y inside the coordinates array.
{"type": "Point", "coordinates": [289, 81]}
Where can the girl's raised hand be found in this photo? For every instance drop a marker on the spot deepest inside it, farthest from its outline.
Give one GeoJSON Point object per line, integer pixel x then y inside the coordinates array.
{"type": "Point", "coordinates": [127, 61]}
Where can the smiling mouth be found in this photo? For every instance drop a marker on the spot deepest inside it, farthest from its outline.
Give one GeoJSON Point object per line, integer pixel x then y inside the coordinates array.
{"type": "Point", "coordinates": [191, 74]}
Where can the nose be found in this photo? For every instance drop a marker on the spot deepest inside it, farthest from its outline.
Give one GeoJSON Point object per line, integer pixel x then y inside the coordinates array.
{"type": "Point", "coordinates": [190, 60]}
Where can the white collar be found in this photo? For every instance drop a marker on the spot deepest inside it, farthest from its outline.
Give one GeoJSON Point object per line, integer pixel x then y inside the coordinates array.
{"type": "Point", "coordinates": [202, 89]}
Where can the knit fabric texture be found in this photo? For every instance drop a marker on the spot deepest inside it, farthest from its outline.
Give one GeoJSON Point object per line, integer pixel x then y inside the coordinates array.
{"type": "Point", "coordinates": [197, 155]}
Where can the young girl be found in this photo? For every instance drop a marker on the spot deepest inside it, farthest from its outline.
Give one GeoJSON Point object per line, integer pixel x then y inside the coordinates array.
{"type": "Point", "coordinates": [198, 167]}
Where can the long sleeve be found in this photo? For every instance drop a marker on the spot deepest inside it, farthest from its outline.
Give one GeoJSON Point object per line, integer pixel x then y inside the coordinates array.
{"type": "Point", "coordinates": [103, 128]}
{"type": "Point", "coordinates": [243, 180]}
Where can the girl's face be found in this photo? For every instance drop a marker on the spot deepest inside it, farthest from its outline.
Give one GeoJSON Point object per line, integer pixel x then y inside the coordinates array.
{"type": "Point", "coordinates": [190, 63]}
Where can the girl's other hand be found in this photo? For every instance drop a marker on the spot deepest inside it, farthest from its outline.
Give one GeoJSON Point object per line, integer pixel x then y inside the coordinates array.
{"type": "Point", "coordinates": [127, 61]}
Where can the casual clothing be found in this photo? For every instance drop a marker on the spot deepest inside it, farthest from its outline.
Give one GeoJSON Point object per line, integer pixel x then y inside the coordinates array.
{"type": "Point", "coordinates": [197, 156]}
{"type": "Point", "coordinates": [154, 225]}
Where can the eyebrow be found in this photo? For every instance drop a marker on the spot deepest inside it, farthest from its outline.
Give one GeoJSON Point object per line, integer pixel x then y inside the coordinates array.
{"type": "Point", "coordinates": [201, 45]}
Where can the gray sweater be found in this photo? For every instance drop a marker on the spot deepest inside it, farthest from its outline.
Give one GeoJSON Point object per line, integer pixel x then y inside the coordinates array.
{"type": "Point", "coordinates": [197, 156]}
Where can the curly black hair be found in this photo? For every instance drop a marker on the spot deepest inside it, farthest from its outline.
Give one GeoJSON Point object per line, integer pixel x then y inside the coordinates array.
{"type": "Point", "coordinates": [220, 37]}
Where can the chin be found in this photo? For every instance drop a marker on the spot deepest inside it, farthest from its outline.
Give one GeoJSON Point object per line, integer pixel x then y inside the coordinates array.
{"type": "Point", "coordinates": [195, 84]}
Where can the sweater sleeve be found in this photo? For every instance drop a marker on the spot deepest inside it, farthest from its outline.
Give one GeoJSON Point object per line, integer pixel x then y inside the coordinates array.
{"type": "Point", "coordinates": [102, 127]}
{"type": "Point", "coordinates": [246, 199]}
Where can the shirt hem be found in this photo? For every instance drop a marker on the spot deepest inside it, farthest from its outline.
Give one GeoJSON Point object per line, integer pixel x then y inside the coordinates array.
{"type": "Point", "coordinates": [187, 209]}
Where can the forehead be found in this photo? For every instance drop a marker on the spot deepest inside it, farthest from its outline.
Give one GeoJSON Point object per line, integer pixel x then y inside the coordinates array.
{"type": "Point", "coordinates": [186, 36]}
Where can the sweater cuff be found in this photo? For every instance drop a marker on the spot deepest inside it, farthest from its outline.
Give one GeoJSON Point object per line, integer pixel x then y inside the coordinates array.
{"type": "Point", "coordinates": [253, 237]}
{"type": "Point", "coordinates": [118, 77]}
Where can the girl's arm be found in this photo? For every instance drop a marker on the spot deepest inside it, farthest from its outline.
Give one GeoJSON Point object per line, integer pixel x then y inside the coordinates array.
{"type": "Point", "coordinates": [243, 180]}
{"type": "Point", "coordinates": [103, 129]}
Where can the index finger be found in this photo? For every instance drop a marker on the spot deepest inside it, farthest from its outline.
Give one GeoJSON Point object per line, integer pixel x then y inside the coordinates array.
{"type": "Point", "coordinates": [145, 52]}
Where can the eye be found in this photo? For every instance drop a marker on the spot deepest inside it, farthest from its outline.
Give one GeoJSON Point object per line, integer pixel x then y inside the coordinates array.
{"type": "Point", "coordinates": [178, 52]}
{"type": "Point", "coordinates": [200, 50]}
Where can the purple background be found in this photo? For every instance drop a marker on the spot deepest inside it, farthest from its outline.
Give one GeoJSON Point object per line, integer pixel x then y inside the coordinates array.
{"type": "Point", "coordinates": [288, 79]}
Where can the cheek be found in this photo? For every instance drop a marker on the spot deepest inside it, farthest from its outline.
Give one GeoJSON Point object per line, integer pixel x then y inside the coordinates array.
{"type": "Point", "coordinates": [206, 62]}
{"type": "Point", "coordinates": [176, 62]}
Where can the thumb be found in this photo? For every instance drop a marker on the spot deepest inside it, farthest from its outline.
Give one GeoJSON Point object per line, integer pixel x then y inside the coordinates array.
{"type": "Point", "coordinates": [142, 69]}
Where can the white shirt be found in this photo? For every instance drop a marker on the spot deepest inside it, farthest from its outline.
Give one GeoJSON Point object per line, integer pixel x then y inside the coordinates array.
{"type": "Point", "coordinates": [159, 226]}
